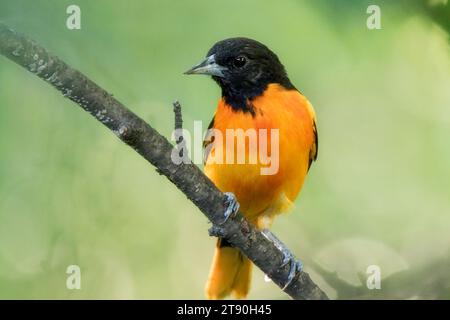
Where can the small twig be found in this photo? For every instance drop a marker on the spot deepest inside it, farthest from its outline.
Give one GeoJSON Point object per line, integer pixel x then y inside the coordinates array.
{"type": "Point", "coordinates": [180, 142]}
{"type": "Point", "coordinates": [178, 116]}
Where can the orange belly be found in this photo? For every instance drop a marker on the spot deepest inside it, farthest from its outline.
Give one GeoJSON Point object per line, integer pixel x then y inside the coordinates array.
{"type": "Point", "coordinates": [258, 194]}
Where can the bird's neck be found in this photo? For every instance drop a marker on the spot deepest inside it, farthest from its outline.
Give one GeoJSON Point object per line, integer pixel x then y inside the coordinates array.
{"type": "Point", "coordinates": [239, 96]}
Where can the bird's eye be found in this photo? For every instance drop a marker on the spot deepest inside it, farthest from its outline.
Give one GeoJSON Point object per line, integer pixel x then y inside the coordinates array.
{"type": "Point", "coordinates": [239, 61]}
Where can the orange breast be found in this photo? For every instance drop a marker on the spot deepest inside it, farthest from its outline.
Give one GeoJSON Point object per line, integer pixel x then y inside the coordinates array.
{"type": "Point", "coordinates": [278, 108]}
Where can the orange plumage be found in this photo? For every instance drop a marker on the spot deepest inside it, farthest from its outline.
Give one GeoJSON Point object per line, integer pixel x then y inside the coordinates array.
{"type": "Point", "coordinates": [261, 197]}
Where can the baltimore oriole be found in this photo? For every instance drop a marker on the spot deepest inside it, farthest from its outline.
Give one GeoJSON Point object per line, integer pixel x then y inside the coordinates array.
{"type": "Point", "coordinates": [256, 94]}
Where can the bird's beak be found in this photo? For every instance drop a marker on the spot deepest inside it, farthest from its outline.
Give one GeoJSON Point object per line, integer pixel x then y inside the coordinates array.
{"type": "Point", "coordinates": [208, 67]}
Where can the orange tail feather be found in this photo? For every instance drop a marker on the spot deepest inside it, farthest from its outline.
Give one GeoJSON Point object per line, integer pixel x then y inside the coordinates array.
{"type": "Point", "coordinates": [230, 273]}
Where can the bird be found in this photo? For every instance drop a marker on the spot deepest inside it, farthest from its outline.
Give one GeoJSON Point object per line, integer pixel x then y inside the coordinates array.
{"type": "Point", "coordinates": [256, 94]}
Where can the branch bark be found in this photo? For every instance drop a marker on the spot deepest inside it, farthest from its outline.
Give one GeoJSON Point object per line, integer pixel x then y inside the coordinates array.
{"type": "Point", "coordinates": [156, 149]}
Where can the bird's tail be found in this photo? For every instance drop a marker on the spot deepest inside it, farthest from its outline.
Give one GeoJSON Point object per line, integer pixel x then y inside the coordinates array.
{"type": "Point", "coordinates": [230, 273]}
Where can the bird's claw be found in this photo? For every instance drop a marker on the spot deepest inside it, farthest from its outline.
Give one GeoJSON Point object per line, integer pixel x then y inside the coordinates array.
{"type": "Point", "coordinates": [288, 258]}
{"type": "Point", "coordinates": [216, 231]}
{"type": "Point", "coordinates": [295, 266]}
{"type": "Point", "coordinates": [232, 206]}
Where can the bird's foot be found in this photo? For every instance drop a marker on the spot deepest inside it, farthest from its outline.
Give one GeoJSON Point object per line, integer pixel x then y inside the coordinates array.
{"type": "Point", "coordinates": [232, 206]}
{"type": "Point", "coordinates": [295, 266]}
{"type": "Point", "coordinates": [216, 231]}
{"type": "Point", "coordinates": [288, 257]}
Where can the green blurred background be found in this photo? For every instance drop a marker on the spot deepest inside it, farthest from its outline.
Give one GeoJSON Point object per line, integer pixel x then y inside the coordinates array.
{"type": "Point", "coordinates": [71, 193]}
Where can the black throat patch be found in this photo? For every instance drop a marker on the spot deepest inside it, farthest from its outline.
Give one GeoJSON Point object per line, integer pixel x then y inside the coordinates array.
{"type": "Point", "coordinates": [240, 98]}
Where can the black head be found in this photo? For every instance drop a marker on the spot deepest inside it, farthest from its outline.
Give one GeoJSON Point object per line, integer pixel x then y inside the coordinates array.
{"type": "Point", "coordinates": [243, 68]}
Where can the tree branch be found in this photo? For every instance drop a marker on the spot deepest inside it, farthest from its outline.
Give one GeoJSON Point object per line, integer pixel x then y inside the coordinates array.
{"type": "Point", "coordinates": [262, 250]}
